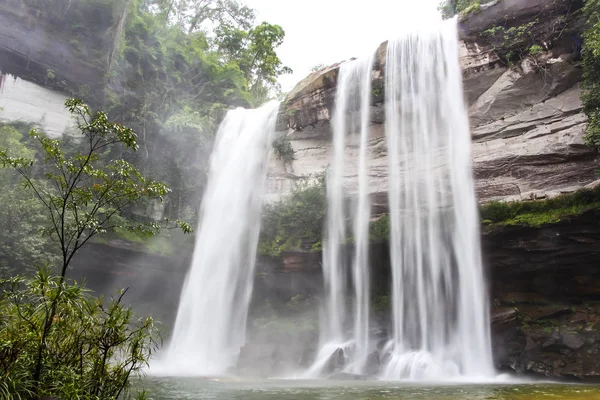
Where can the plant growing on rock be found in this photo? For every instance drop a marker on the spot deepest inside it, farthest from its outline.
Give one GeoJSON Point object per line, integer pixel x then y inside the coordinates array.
{"type": "Point", "coordinates": [591, 72]}
{"type": "Point", "coordinates": [296, 219]}
{"type": "Point", "coordinates": [283, 149]}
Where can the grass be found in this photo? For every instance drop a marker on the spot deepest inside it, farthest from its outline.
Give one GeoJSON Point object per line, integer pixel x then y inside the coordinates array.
{"type": "Point", "coordinates": [536, 213]}
{"type": "Point", "coordinates": [161, 244]}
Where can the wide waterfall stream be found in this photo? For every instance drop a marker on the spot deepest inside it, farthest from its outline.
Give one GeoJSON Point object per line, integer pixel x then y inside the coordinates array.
{"type": "Point", "coordinates": [211, 320]}
{"type": "Point", "coordinates": [440, 312]}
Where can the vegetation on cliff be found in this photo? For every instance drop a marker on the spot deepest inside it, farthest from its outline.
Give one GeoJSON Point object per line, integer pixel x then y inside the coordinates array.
{"type": "Point", "coordinates": [450, 8]}
{"type": "Point", "coordinates": [591, 72]}
{"type": "Point", "coordinates": [169, 70]}
{"type": "Point", "coordinates": [540, 212]}
{"type": "Point", "coordinates": [295, 221]}
{"type": "Point", "coordinates": [56, 339]}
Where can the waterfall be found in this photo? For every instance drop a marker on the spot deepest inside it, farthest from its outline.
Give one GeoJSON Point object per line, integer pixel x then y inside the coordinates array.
{"type": "Point", "coordinates": [211, 319]}
{"type": "Point", "coordinates": [362, 215]}
{"type": "Point", "coordinates": [352, 106]}
{"type": "Point", "coordinates": [440, 309]}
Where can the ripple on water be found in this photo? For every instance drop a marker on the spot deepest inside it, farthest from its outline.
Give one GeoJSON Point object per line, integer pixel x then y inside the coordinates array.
{"type": "Point", "coordinates": [233, 389]}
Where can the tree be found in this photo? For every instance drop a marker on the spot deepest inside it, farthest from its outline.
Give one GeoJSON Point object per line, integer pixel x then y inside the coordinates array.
{"type": "Point", "coordinates": [193, 15]}
{"type": "Point", "coordinates": [254, 53]}
{"type": "Point", "coordinates": [83, 195]}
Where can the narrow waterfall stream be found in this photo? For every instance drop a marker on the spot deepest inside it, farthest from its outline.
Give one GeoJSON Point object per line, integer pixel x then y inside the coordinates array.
{"type": "Point", "coordinates": [351, 118]}
{"type": "Point", "coordinates": [440, 310]}
{"type": "Point", "coordinates": [211, 319]}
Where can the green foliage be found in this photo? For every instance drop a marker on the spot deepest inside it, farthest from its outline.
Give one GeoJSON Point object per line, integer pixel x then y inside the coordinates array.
{"type": "Point", "coordinates": [21, 215]}
{"type": "Point", "coordinates": [536, 50]}
{"type": "Point", "coordinates": [380, 228]}
{"type": "Point", "coordinates": [591, 72]}
{"type": "Point", "coordinates": [295, 220]}
{"type": "Point", "coordinates": [91, 348]}
{"type": "Point", "coordinates": [168, 69]}
{"type": "Point", "coordinates": [56, 340]}
{"type": "Point", "coordinates": [540, 212]}
{"type": "Point", "coordinates": [84, 195]}
{"type": "Point", "coordinates": [449, 8]}
{"type": "Point", "coordinates": [515, 42]}
{"type": "Point", "coordinates": [473, 8]}
{"type": "Point", "coordinates": [182, 64]}
{"type": "Point", "coordinates": [283, 149]}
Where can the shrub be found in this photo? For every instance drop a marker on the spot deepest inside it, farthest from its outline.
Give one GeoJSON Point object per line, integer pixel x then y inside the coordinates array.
{"type": "Point", "coordinates": [283, 149]}
{"type": "Point", "coordinates": [296, 219]}
{"type": "Point", "coordinates": [536, 50]}
{"type": "Point", "coordinates": [91, 348]}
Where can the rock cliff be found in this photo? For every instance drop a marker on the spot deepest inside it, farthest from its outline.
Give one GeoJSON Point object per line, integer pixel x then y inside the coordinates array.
{"type": "Point", "coordinates": [526, 116]}
{"type": "Point", "coordinates": [41, 48]}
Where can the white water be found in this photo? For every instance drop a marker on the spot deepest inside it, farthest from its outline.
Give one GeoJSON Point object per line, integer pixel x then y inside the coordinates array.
{"type": "Point", "coordinates": [211, 319]}
{"type": "Point", "coordinates": [440, 309]}
{"type": "Point", "coordinates": [352, 105]}
{"type": "Point", "coordinates": [361, 229]}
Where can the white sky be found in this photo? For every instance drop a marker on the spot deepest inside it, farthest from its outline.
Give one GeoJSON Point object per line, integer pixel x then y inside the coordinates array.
{"type": "Point", "coordinates": [329, 31]}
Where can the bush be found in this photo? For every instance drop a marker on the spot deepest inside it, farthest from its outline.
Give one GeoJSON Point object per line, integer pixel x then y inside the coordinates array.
{"type": "Point", "coordinates": [283, 149]}
{"type": "Point", "coordinates": [296, 219]}
{"type": "Point", "coordinates": [535, 50]}
{"type": "Point", "coordinates": [380, 228]}
{"type": "Point", "coordinates": [91, 347]}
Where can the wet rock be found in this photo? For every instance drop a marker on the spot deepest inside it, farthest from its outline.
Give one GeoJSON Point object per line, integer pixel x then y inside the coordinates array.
{"type": "Point", "coordinates": [531, 344]}
{"type": "Point", "coordinates": [573, 340]}
{"type": "Point", "coordinates": [345, 376]}
{"type": "Point", "coordinates": [336, 362]}
{"type": "Point", "coordinates": [503, 315]}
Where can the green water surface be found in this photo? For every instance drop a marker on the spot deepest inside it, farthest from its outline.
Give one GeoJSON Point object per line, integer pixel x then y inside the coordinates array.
{"type": "Point", "coordinates": [230, 389]}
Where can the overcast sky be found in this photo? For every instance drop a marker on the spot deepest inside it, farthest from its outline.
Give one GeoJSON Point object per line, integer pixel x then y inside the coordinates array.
{"type": "Point", "coordinates": [329, 31]}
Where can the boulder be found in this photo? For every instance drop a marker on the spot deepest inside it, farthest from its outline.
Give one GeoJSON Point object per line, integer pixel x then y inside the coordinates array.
{"type": "Point", "coordinates": [336, 362]}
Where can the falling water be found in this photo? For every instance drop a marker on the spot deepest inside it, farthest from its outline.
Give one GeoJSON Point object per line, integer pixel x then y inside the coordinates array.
{"type": "Point", "coordinates": [351, 116]}
{"type": "Point", "coordinates": [361, 228]}
{"type": "Point", "coordinates": [211, 319]}
{"type": "Point", "coordinates": [440, 316]}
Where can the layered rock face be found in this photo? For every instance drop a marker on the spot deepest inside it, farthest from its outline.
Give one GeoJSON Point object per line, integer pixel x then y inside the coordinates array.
{"type": "Point", "coordinates": [545, 291]}
{"type": "Point", "coordinates": [526, 119]}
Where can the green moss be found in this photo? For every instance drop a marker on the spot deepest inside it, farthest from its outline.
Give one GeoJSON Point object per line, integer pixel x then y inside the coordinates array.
{"type": "Point", "coordinates": [377, 90]}
{"type": "Point", "coordinates": [162, 244]}
{"type": "Point", "coordinates": [540, 212]}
